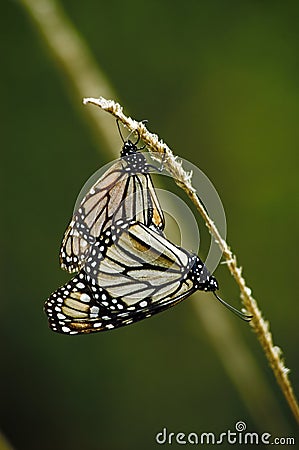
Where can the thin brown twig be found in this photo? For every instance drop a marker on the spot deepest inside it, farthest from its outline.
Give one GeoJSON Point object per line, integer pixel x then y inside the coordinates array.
{"type": "Point", "coordinates": [183, 179]}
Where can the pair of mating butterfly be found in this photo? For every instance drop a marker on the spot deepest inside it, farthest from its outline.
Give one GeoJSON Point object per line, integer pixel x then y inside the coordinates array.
{"type": "Point", "coordinates": [127, 269]}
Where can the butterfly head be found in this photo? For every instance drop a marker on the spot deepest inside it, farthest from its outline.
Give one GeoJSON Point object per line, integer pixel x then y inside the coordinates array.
{"type": "Point", "coordinates": [135, 161]}
{"type": "Point", "coordinates": [201, 277]}
{"type": "Point", "coordinates": [212, 284]}
{"type": "Point", "coordinates": [204, 281]}
{"type": "Point", "coordinates": [128, 149]}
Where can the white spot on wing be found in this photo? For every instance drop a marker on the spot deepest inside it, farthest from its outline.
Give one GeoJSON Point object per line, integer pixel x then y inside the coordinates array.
{"type": "Point", "coordinates": [84, 298]}
{"type": "Point", "coordinates": [66, 329]}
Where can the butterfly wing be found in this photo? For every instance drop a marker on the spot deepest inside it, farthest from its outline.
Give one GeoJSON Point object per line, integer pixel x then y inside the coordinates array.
{"type": "Point", "coordinates": [142, 267]}
{"type": "Point", "coordinates": [75, 308]}
{"type": "Point", "coordinates": [134, 276]}
{"type": "Point", "coordinates": [118, 194]}
{"type": "Point", "coordinates": [78, 308]}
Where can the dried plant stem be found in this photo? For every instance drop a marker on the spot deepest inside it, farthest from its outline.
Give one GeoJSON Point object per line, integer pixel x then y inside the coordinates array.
{"type": "Point", "coordinates": [183, 179]}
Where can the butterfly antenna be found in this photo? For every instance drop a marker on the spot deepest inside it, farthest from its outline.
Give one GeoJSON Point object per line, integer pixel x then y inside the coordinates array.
{"type": "Point", "coordinates": [117, 123]}
{"type": "Point", "coordinates": [238, 313]}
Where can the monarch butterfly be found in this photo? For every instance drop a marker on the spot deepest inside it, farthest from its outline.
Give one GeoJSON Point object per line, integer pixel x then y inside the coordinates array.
{"type": "Point", "coordinates": [132, 273]}
{"type": "Point", "coordinates": [125, 191]}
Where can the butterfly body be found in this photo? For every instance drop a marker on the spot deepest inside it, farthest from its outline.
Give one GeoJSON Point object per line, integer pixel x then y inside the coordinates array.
{"type": "Point", "coordinates": [135, 161]}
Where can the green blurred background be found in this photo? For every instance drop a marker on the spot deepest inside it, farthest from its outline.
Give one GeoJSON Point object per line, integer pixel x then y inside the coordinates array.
{"type": "Point", "coordinates": [219, 82]}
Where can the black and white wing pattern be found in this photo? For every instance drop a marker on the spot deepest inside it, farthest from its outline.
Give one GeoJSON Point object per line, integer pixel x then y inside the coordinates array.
{"type": "Point", "coordinates": [78, 308]}
{"type": "Point", "coordinates": [133, 273]}
{"type": "Point", "coordinates": [125, 191]}
{"type": "Point", "coordinates": [142, 264]}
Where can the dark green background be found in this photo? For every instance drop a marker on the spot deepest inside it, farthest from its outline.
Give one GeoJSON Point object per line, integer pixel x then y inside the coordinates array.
{"type": "Point", "coordinates": [219, 81]}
